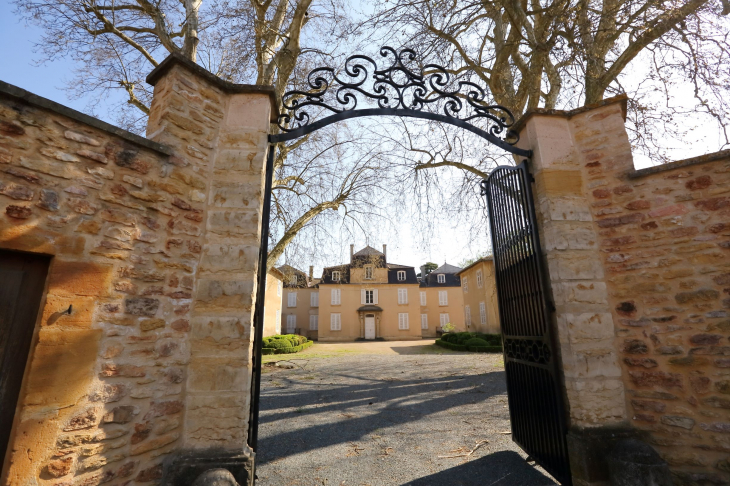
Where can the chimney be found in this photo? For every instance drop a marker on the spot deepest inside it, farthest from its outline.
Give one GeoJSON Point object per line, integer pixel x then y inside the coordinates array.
{"type": "Point", "coordinates": [352, 251]}
{"type": "Point", "coordinates": [311, 272]}
{"type": "Point", "coordinates": [423, 273]}
{"type": "Point", "coordinates": [385, 252]}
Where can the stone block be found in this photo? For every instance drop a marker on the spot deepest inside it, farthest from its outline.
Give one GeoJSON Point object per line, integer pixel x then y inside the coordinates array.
{"type": "Point", "coordinates": [575, 265]}
{"type": "Point", "coordinates": [596, 402]}
{"type": "Point", "coordinates": [72, 278]}
{"type": "Point", "coordinates": [62, 368]}
{"type": "Point", "coordinates": [581, 293]}
{"type": "Point", "coordinates": [590, 327]}
{"type": "Point", "coordinates": [245, 194]}
{"type": "Point", "coordinates": [231, 294]}
{"type": "Point", "coordinates": [235, 223]}
{"type": "Point", "coordinates": [228, 258]}
{"type": "Point", "coordinates": [216, 419]}
{"type": "Point", "coordinates": [568, 209]}
{"type": "Point", "coordinates": [218, 375]}
{"type": "Point", "coordinates": [564, 235]}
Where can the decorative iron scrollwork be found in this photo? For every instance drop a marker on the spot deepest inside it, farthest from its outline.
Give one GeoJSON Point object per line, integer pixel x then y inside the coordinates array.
{"type": "Point", "coordinates": [402, 85]}
{"type": "Point", "coordinates": [534, 351]}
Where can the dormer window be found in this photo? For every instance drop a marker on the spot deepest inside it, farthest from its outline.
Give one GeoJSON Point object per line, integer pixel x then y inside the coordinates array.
{"type": "Point", "coordinates": [293, 280]}
{"type": "Point", "coordinates": [441, 278]}
{"type": "Point", "coordinates": [369, 272]}
{"type": "Point", "coordinates": [401, 275]}
{"type": "Point", "coordinates": [335, 276]}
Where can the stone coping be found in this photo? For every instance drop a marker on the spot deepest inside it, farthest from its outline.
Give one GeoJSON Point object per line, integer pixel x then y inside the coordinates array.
{"type": "Point", "coordinates": [722, 154]}
{"type": "Point", "coordinates": [33, 99]}
{"type": "Point", "coordinates": [520, 123]}
{"type": "Point", "coordinates": [228, 87]}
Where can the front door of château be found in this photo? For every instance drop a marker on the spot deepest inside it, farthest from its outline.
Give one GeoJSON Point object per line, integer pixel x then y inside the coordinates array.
{"type": "Point", "coordinates": [369, 326]}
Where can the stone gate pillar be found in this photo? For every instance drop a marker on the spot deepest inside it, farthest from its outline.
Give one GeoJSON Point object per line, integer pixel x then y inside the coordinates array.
{"type": "Point", "coordinates": [566, 146]}
{"type": "Point", "coordinates": [218, 133]}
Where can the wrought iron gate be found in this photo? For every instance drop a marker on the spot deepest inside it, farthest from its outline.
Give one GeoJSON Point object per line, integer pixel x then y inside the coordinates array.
{"type": "Point", "coordinates": [533, 381]}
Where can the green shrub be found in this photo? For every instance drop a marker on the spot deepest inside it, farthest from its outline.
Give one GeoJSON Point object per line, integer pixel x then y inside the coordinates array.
{"type": "Point", "coordinates": [475, 341]}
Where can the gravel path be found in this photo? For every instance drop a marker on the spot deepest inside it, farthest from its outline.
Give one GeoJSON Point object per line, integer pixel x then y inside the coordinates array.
{"type": "Point", "coordinates": [385, 419]}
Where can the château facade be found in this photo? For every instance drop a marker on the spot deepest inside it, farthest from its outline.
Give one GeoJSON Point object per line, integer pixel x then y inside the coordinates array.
{"type": "Point", "coordinates": [370, 298]}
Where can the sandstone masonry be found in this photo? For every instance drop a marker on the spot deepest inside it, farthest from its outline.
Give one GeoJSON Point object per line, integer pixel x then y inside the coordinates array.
{"type": "Point", "coordinates": [155, 244]}
{"type": "Point", "coordinates": [639, 265]}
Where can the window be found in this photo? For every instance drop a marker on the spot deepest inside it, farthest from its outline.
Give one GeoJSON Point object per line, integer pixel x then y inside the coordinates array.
{"type": "Point", "coordinates": [444, 319]}
{"type": "Point", "coordinates": [467, 314]}
{"type": "Point", "coordinates": [443, 297]}
{"type": "Point", "coordinates": [313, 323]}
{"type": "Point", "coordinates": [403, 321]}
{"type": "Point", "coordinates": [314, 299]}
{"type": "Point", "coordinates": [441, 278]}
{"type": "Point", "coordinates": [291, 299]}
{"type": "Point", "coordinates": [402, 296]}
{"type": "Point", "coordinates": [424, 321]}
{"type": "Point", "coordinates": [369, 272]}
{"type": "Point", "coordinates": [335, 297]}
{"type": "Point", "coordinates": [335, 276]}
{"type": "Point", "coordinates": [465, 284]}
{"type": "Point", "coordinates": [423, 298]}
{"type": "Point", "coordinates": [335, 322]}
{"type": "Point", "coordinates": [291, 324]}
{"type": "Point", "coordinates": [483, 313]}
{"type": "Point", "coordinates": [278, 288]}
{"type": "Point", "coordinates": [479, 279]}
{"type": "Point", "coordinates": [278, 324]}
{"type": "Point", "coordinates": [401, 275]}
{"type": "Point", "coordinates": [293, 280]}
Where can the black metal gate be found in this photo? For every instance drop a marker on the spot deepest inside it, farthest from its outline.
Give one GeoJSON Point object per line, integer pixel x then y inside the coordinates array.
{"type": "Point", "coordinates": [533, 381]}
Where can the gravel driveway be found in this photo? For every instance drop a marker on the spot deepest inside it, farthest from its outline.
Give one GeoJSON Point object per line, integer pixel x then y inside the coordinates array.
{"type": "Point", "coordinates": [389, 419]}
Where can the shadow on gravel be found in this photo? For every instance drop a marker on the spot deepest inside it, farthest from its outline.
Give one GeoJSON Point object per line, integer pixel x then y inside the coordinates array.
{"type": "Point", "coordinates": [506, 468]}
{"type": "Point", "coordinates": [396, 401]}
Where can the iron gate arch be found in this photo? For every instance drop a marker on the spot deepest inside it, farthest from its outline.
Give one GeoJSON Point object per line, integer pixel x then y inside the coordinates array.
{"type": "Point", "coordinates": [406, 87]}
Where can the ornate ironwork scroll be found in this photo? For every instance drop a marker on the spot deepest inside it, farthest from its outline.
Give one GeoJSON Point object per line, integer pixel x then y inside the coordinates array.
{"type": "Point", "coordinates": [400, 86]}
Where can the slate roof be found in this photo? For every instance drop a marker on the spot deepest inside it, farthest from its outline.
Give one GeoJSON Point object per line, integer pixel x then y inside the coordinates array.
{"type": "Point", "coordinates": [365, 256]}
{"type": "Point", "coordinates": [450, 277]}
{"type": "Point", "coordinates": [368, 251]}
{"type": "Point", "coordinates": [483, 259]}
{"type": "Point", "coordinates": [288, 271]}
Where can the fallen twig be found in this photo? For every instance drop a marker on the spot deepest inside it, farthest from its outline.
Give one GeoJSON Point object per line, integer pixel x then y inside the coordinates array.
{"type": "Point", "coordinates": [467, 454]}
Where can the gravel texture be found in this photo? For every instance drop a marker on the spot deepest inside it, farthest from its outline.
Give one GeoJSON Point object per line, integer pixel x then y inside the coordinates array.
{"type": "Point", "coordinates": [377, 419]}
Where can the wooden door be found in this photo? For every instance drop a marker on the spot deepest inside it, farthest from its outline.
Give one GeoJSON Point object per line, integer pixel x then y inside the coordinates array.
{"type": "Point", "coordinates": [22, 279]}
{"type": "Point", "coordinates": [369, 327]}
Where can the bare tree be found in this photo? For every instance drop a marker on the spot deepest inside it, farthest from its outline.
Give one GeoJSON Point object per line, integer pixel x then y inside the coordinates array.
{"type": "Point", "coordinates": [266, 42]}
{"type": "Point", "coordinates": [566, 53]}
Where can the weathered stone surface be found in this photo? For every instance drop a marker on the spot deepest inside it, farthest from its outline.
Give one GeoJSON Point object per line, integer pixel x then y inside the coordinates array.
{"type": "Point", "coordinates": [60, 467]}
{"type": "Point", "coordinates": [141, 306]}
{"type": "Point", "coordinates": [18, 212]}
{"type": "Point", "coordinates": [83, 420]}
{"type": "Point", "coordinates": [154, 443]}
{"type": "Point", "coordinates": [120, 415]}
{"type": "Point", "coordinates": [677, 421]}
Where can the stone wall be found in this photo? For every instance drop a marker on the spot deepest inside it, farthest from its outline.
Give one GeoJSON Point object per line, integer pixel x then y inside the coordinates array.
{"type": "Point", "coordinates": [639, 264]}
{"type": "Point", "coordinates": [155, 245]}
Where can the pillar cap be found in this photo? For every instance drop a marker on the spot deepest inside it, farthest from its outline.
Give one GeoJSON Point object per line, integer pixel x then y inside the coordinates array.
{"type": "Point", "coordinates": [226, 86]}
{"type": "Point", "coordinates": [522, 121]}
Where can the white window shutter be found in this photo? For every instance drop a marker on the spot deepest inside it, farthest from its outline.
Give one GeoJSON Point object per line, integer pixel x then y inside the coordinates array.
{"type": "Point", "coordinates": [375, 296]}
{"type": "Point", "coordinates": [423, 298]}
{"type": "Point", "coordinates": [362, 297]}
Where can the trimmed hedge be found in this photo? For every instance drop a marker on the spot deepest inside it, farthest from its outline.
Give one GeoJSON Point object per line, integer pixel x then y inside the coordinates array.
{"type": "Point", "coordinates": [471, 341]}
{"type": "Point", "coordinates": [285, 344]}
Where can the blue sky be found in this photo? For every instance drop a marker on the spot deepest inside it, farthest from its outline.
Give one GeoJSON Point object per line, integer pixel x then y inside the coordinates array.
{"type": "Point", "coordinates": [18, 66]}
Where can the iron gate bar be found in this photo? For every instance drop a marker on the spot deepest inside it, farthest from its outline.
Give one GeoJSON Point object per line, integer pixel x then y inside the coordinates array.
{"type": "Point", "coordinates": [345, 115]}
{"type": "Point", "coordinates": [258, 316]}
{"type": "Point", "coordinates": [533, 378]}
